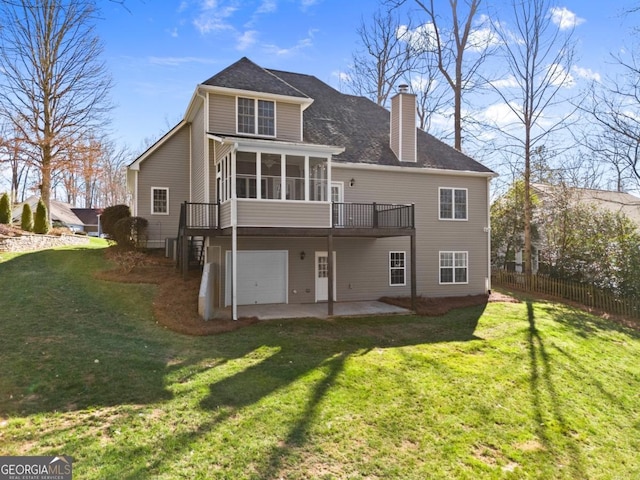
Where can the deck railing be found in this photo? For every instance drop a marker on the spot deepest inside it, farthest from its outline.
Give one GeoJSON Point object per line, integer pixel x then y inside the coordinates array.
{"type": "Point", "coordinates": [344, 215]}
{"type": "Point", "coordinates": [372, 215]}
{"type": "Point", "coordinates": [202, 215]}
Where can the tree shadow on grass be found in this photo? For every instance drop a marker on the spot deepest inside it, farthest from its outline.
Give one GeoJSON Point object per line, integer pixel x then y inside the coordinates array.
{"type": "Point", "coordinates": [70, 343]}
{"type": "Point", "coordinates": [546, 403]}
{"type": "Point", "coordinates": [580, 317]}
{"type": "Point", "coordinates": [296, 348]}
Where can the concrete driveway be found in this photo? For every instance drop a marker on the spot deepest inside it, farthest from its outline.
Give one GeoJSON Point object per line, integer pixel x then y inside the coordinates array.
{"type": "Point", "coordinates": [319, 310]}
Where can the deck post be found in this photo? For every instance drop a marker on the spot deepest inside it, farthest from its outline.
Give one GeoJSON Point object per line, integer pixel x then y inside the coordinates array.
{"type": "Point", "coordinates": [185, 255]}
{"type": "Point", "coordinates": [413, 271]}
{"type": "Point", "coordinates": [330, 270]}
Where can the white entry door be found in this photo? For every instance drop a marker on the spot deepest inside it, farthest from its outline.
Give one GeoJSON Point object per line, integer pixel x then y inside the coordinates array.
{"type": "Point", "coordinates": [322, 276]}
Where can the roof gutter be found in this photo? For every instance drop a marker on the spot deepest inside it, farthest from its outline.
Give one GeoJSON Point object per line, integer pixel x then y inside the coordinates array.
{"type": "Point", "coordinates": [414, 169]}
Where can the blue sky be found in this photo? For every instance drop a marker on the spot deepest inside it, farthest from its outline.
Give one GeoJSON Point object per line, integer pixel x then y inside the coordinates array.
{"type": "Point", "coordinates": [158, 51]}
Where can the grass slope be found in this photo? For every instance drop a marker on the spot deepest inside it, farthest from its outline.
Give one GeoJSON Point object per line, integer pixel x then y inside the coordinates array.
{"type": "Point", "coordinates": [531, 390]}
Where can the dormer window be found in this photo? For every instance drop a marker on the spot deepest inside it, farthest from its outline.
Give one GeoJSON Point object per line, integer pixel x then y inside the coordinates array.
{"type": "Point", "coordinates": [256, 117]}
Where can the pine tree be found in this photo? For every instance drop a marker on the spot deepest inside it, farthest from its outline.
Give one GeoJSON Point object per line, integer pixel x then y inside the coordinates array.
{"type": "Point", "coordinates": [40, 224]}
{"type": "Point", "coordinates": [26, 221]}
{"type": "Point", "coordinates": [5, 209]}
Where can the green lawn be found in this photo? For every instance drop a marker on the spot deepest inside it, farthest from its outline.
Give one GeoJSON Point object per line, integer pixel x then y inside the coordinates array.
{"type": "Point", "coordinates": [530, 390]}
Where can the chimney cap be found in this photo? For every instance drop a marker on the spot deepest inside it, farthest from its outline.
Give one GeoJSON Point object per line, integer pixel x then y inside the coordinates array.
{"type": "Point", "coordinates": [403, 88]}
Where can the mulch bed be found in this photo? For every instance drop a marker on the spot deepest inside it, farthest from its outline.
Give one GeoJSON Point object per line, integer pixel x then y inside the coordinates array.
{"type": "Point", "coordinates": [436, 306]}
{"type": "Point", "coordinates": [176, 303]}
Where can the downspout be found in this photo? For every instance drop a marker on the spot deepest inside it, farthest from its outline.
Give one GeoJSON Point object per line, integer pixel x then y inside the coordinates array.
{"type": "Point", "coordinates": [205, 154]}
{"type": "Point", "coordinates": [135, 193]}
{"type": "Point", "coordinates": [488, 283]}
{"type": "Point", "coordinates": [234, 236]}
{"type": "Point", "coordinates": [207, 166]}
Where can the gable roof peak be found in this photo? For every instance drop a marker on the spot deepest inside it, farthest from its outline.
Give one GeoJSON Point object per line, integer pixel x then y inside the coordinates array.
{"type": "Point", "coordinates": [247, 75]}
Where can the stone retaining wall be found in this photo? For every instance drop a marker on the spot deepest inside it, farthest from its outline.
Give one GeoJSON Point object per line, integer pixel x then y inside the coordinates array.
{"type": "Point", "coordinates": [27, 243]}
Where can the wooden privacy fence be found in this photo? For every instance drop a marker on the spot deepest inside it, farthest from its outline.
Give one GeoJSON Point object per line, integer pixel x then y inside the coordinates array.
{"type": "Point", "coordinates": [584, 294]}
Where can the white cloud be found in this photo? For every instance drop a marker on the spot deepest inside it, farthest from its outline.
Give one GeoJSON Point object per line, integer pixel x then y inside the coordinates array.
{"type": "Point", "coordinates": [176, 61]}
{"type": "Point", "coordinates": [213, 17]}
{"type": "Point", "coordinates": [301, 45]}
{"type": "Point", "coordinates": [173, 32]}
{"type": "Point", "coordinates": [421, 83]}
{"type": "Point", "coordinates": [509, 82]}
{"type": "Point", "coordinates": [246, 40]}
{"type": "Point", "coordinates": [421, 38]}
{"type": "Point", "coordinates": [267, 6]}
{"type": "Point", "coordinates": [586, 73]}
{"type": "Point", "coordinates": [565, 18]}
{"type": "Point", "coordinates": [502, 114]}
{"type": "Point", "coordinates": [341, 76]}
{"type": "Point", "coordinates": [482, 38]}
{"type": "Point", "coordinates": [559, 76]}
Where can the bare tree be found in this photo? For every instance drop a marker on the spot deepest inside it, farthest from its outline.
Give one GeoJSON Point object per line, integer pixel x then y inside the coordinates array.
{"type": "Point", "coordinates": [616, 152]}
{"type": "Point", "coordinates": [451, 43]}
{"type": "Point", "coordinates": [538, 56]}
{"type": "Point", "coordinates": [431, 94]}
{"type": "Point", "coordinates": [12, 153]}
{"type": "Point", "coordinates": [110, 183]}
{"type": "Point", "coordinates": [615, 108]}
{"type": "Point", "coordinates": [54, 87]}
{"type": "Point", "coordinates": [385, 58]}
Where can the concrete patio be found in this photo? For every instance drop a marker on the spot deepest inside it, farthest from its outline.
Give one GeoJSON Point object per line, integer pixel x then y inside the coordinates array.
{"type": "Point", "coordinates": [319, 310]}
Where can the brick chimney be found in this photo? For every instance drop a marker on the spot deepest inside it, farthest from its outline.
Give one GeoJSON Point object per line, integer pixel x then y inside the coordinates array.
{"type": "Point", "coordinates": [403, 124]}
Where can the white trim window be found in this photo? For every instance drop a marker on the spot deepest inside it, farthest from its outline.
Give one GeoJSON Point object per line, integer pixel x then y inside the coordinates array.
{"type": "Point", "coordinates": [397, 269]}
{"type": "Point", "coordinates": [454, 267]}
{"type": "Point", "coordinates": [159, 201]}
{"type": "Point", "coordinates": [452, 203]}
{"type": "Point", "coordinates": [256, 116]}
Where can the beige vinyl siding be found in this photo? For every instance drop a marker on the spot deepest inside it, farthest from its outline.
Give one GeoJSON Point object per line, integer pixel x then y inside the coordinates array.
{"type": "Point", "coordinates": [395, 125]}
{"type": "Point", "coordinates": [197, 158]}
{"type": "Point", "coordinates": [167, 167]}
{"type": "Point", "coordinates": [403, 127]}
{"type": "Point", "coordinates": [433, 235]}
{"type": "Point", "coordinates": [223, 121]}
{"type": "Point", "coordinates": [225, 214]}
{"type": "Point", "coordinates": [288, 119]}
{"type": "Point", "coordinates": [213, 147]}
{"type": "Point", "coordinates": [263, 213]}
{"type": "Point", "coordinates": [408, 133]}
{"type": "Point", "coordinates": [217, 153]}
{"type": "Point", "coordinates": [222, 114]}
{"type": "Point", "coordinates": [362, 265]}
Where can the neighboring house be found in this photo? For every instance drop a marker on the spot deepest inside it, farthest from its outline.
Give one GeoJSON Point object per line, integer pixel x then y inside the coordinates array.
{"type": "Point", "coordinates": [90, 218]}
{"type": "Point", "coordinates": [303, 194]}
{"type": "Point", "coordinates": [61, 213]}
{"type": "Point", "coordinates": [64, 215]}
{"type": "Point", "coordinates": [612, 201]}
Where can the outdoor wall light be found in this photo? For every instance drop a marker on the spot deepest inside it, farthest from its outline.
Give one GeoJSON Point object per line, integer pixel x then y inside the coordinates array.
{"type": "Point", "coordinates": [302, 255]}
{"type": "Point", "coordinates": [352, 182]}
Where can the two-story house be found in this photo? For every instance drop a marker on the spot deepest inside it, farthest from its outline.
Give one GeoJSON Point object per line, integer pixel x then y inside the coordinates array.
{"type": "Point", "coordinates": [304, 194]}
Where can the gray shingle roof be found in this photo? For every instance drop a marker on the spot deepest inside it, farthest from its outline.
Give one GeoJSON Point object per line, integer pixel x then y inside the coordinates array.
{"type": "Point", "coordinates": [246, 75]}
{"type": "Point", "coordinates": [60, 211]}
{"type": "Point", "coordinates": [362, 127]}
{"type": "Point", "coordinates": [334, 118]}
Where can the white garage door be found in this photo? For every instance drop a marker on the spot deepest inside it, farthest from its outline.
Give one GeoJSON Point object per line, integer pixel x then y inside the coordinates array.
{"type": "Point", "coordinates": [262, 277]}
